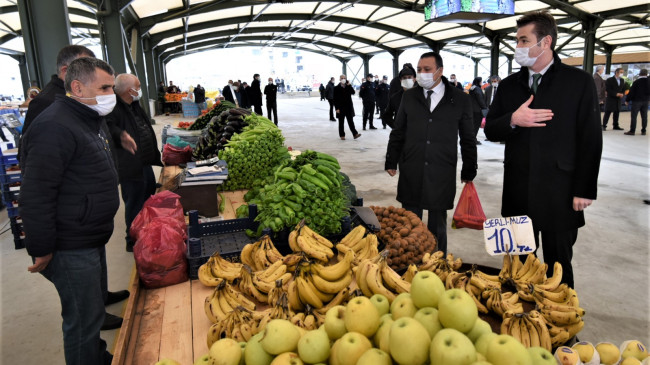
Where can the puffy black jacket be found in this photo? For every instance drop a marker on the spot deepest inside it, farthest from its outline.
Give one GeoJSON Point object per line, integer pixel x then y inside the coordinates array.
{"type": "Point", "coordinates": [44, 99]}
{"type": "Point", "coordinates": [122, 118]}
{"type": "Point", "coordinates": [68, 196]}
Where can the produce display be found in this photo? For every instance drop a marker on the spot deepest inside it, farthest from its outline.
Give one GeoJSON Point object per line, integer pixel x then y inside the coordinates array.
{"type": "Point", "coordinates": [585, 353]}
{"type": "Point", "coordinates": [175, 97]}
{"type": "Point", "coordinates": [405, 235]}
{"type": "Point", "coordinates": [202, 121]}
{"type": "Point", "coordinates": [220, 130]}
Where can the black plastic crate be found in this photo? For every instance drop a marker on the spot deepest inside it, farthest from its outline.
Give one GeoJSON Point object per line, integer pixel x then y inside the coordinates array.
{"type": "Point", "coordinates": [228, 245]}
{"type": "Point", "coordinates": [19, 243]}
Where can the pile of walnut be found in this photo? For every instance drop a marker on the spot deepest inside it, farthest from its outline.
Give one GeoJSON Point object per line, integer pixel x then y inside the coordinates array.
{"type": "Point", "coordinates": [406, 237]}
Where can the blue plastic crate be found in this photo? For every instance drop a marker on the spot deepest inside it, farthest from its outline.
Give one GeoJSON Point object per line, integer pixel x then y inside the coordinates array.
{"type": "Point", "coordinates": [15, 176]}
{"type": "Point", "coordinates": [12, 212]}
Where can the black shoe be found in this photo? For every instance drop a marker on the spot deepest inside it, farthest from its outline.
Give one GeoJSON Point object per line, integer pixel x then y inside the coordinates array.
{"type": "Point", "coordinates": [108, 358]}
{"type": "Point", "coordinates": [364, 128]}
{"type": "Point", "coordinates": [643, 133]}
{"type": "Point", "coordinates": [617, 128]}
{"type": "Point", "coordinates": [384, 127]}
{"type": "Point", "coordinates": [332, 120]}
{"type": "Point", "coordinates": [630, 133]}
{"type": "Point", "coordinates": [646, 201]}
{"type": "Point", "coordinates": [116, 296]}
{"type": "Point", "coordinates": [111, 322]}
{"type": "Point", "coordinates": [129, 246]}
{"type": "Point", "coordinates": [478, 143]}
{"type": "Point", "coordinates": [373, 128]}
{"type": "Point", "coordinates": [604, 127]}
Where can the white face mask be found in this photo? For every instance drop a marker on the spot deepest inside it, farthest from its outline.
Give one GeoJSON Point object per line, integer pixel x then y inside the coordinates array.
{"type": "Point", "coordinates": [105, 103]}
{"type": "Point", "coordinates": [343, 81]}
{"type": "Point", "coordinates": [137, 97]}
{"type": "Point", "coordinates": [407, 83]}
{"type": "Point", "coordinates": [235, 88]}
{"type": "Point", "coordinates": [270, 82]}
{"type": "Point", "coordinates": [522, 56]}
{"type": "Point", "coordinates": [495, 84]}
{"type": "Point", "coordinates": [426, 80]}
{"type": "Point", "coordinates": [452, 80]}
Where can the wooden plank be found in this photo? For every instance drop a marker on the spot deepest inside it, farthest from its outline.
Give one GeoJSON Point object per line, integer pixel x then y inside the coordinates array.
{"type": "Point", "coordinates": [228, 212]}
{"type": "Point", "coordinates": [129, 351]}
{"type": "Point", "coordinates": [237, 198]}
{"type": "Point", "coordinates": [147, 342]}
{"type": "Point", "coordinates": [200, 322]}
{"type": "Point", "coordinates": [176, 332]}
{"type": "Point", "coordinates": [124, 333]}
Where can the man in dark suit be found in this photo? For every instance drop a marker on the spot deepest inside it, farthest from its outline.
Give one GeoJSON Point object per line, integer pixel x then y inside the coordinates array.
{"type": "Point", "coordinates": [615, 88]}
{"type": "Point", "coordinates": [255, 94]}
{"type": "Point", "coordinates": [553, 145]}
{"type": "Point", "coordinates": [639, 95]}
{"type": "Point", "coordinates": [228, 93]}
{"type": "Point", "coordinates": [271, 92]}
{"type": "Point", "coordinates": [491, 90]}
{"type": "Point", "coordinates": [344, 108]}
{"type": "Point", "coordinates": [431, 117]}
{"type": "Point", "coordinates": [600, 85]}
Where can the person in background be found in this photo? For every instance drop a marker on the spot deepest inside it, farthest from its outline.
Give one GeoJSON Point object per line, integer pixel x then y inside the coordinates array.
{"type": "Point", "coordinates": [376, 82]}
{"type": "Point", "coordinates": [255, 94]}
{"type": "Point", "coordinates": [33, 90]}
{"type": "Point", "coordinates": [478, 105]}
{"type": "Point", "coordinates": [271, 92]}
{"type": "Point", "coordinates": [344, 108]}
{"type": "Point", "coordinates": [382, 97]}
{"type": "Point", "coordinates": [407, 81]}
{"type": "Point", "coordinates": [237, 93]}
{"type": "Point", "coordinates": [329, 95]}
{"type": "Point", "coordinates": [491, 90]}
{"type": "Point", "coordinates": [424, 143]}
{"type": "Point", "coordinates": [68, 199]}
{"type": "Point", "coordinates": [638, 96]}
{"type": "Point", "coordinates": [454, 82]}
{"type": "Point", "coordinates": [245, 92]}
{"type": "Point", "coordinates": [615, 88]}
{"type": "Point", "coordinates": [229, 93]}
{"type": "Point", "coordinates": [129, 124]}
{"type": "Point", "coordinates": [52, 91]}
{"type": "Point", "coordinates": [321, 90]}
{"type": "Point", "coordinates": [553, 144]}
{"type": "Point", "coordinates": [367, 94]}
{"type": "Point", "coordinates": [173, 89]}
{"type": "Point", "coordinates": [199, 97]}
{"type": "Point", "coordinates": [600, 86]}
{"type": "Point", "coordinates": [162, 90]}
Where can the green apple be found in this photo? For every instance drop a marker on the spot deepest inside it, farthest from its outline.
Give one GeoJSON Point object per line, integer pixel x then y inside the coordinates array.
{"type": "Point", "coordinates": [381, 303]}
{"type": "Point", "coordinates": [428, 317]}
{"type": "Point", "coordinates": [382, 336]}
{"type": "Point", "coordinates": [167, 362]}
{"type": "Point", "coordinates": [541, 356]}
{"type": "Point", "coordinates": [287, 358]}
{"type": "Point", "coordinates": [409, 342]}
{"type": "Point", "coordinates": [226, 351]}
{"type": "Point", "coordinates": [352, 345]}
{"type": "Point", "coordinates": [630, 361]}
{"type": "Point", "coordinates": [254, 353]}
{"type": "Point", "coordinates": [314, 347]}
{"type": "Point", "coordinates": [426, 289]}
{"type": "Point", "coordinates": [587, 352]}
{"type": "Point", "coordinates": [374, 357]}
{"type": "Point", "coordinates": [334, 323]}
{"type": "Point", "coordinates": [280, 336]}
{"type": "Point", "coordinates": [506, 350]}
{"type": "Point", "coordinates": [334, 360]}
{"type": "Point", "coordinates": [451, 347]}
{"type": "Point", "coordinates": [567, 356]}
{"type": "Point", "coordinates": [609, 353]}
{"type": "Point", "coordinates": [456, 309]}
{"type": "Point", "coordinates": [481, 362]}
{"type": "Point", "coordinates": [403, 306]}
{"type": "Point", "coordinates": [361, 316]}
{"type": "Point", "coordinates": [480, 327]}
{"type": "Point", "coordinates": [203, 360]}
{"type": "Point", "coordinates": [482, 342]}
{"type": "Point", "coordinates": [242, 361]}
{"type": "Point", "coordinates": [633, 348]}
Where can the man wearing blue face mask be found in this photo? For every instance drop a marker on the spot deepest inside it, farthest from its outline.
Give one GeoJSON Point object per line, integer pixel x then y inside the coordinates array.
{"type": "Point", "coordinates": [137, 151]}
{"type": "Point", "coordinates": [548, 116]}
{"type": "Point", "coordinates": [68, 199]}
{"type": "Point", "coordinates": [424, 143]}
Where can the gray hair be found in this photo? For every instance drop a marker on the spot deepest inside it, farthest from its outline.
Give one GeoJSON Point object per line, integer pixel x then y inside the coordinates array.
{"type": "Point", "coordinates": [599, 68]}
{"type": "Point", "coordinates": [68, 54]}
{"type": "Point", "coordinates": [123, 82]}
{"type": "Point", "coordinates": [83, 70]}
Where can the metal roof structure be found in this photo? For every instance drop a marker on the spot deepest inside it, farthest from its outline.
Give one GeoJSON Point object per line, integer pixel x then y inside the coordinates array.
{"type": "Point", "coordinates": [344, 30]}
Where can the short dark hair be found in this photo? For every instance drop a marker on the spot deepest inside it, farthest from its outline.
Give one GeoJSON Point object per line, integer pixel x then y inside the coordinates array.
{"type": "Point", "coordinates": [83, 70]}
{"type": "Point", "coordinates": [643, 72]}
{"type": "Point", "coordinates": [618, 69]}
{"type": "Point", "coordinates": [495, 77]}
{"type": "Point", "coordinates": [435, 55]}
{"type": "Point", "coordinates": [544, 24]}
{"type": "Point", "coordinates": [477, 81]}
{"type": "Point", "coordinates": [68, 54]}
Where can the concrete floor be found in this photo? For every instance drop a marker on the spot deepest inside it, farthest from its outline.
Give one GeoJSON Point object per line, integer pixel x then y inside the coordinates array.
{"type": "Point", "coordinates": [610, 258]}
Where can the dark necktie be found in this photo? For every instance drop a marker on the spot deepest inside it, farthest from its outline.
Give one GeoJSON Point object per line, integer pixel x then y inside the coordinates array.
{"type": "Point", "coordinates": [536, 78]}
{"type": "Point", "coordinates": [429, 92]}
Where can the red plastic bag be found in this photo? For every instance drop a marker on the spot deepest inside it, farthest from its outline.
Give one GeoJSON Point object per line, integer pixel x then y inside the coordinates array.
{"type": "Point", "coordinates": [160, 253]}
{"type": "Point", "coordinates": [173, 156]}
{"type": "Point", "coordinates": [483, 122]}
{"type": "Point", "coordinates": [469, 213]}
{"type": "Point", "coordinates": [163, 204]}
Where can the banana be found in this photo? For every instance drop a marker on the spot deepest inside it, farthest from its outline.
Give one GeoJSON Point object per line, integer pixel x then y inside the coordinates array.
{"type": "Point", "coordinates": [575, 328]}
{"type": "Point", "coordinates": [310, 322]}
{"type": "Point", "coordinates": [392, 279]}
{"type": "Point", "coordinates": [558, 296]}
{"type": "Point", "coordinates": [293, 241]}
{"type": "Point", "coordinates": [272, 253]}
{"type": "Point", "coordinates": [206, 278]}
{"type": "Point", "coordinates": [506, 267]}
{"type": "Point", "coordinates": [298, 317]}
{"type": "Point", "coordinates": [533, 332]}
{"type": "Point", "coordinates": [215, 333]}
{"type": "Point", "coordinates": [213, 314]}
{"type": "Point", "coordinates": [505, 326]}
{"type": "Point", "coordinates": [261, 261]}
{"type": "Point", "coordinates": [307, 294]}
{"type": "Point", "coordinates": [338, 299]}
{"type": "Point", "coordinates": [561, 319]}
{"type": "Point", "coordinates": [516, 266]}
{"type": "Point", "coordinates": [374, 282]}
{"type": "Point", "coordinates": [246, 331]}
{"type": "Point", "coordinates": [246, 286]}
{"type": "Point", "coordinates": [524, 333]}
{"type": "Point", "coordinates": [236, 299]}
{"type": "Point", "coordinates": [544, 336]}
{"type": "Point", "coordinates": [324, 297]}
{"type": "Point", "coordinates": [480, 306]}
{"type": "Point", "coordinates": [336, 271]}
{"type": "Point", "coordinates": [538, 276]}
{"type": "Point", "coordinates": [514, 329]}
{"type": "Point", "coordinates": [269, 274]}
{"type": "Point", "coordinates": [295, 304]}
{"type": "Point", "coordinates": [246, 256]}
{"type": "Point", "coordinates": [561, 338]}
{"type": "Point", "coordinates": [410, 273]}
{"type": "Point", "coordinates": [555, 280]}
{"type": "Point", "coordinates": [308, 232]}
{"type": "Point", "coordinates": [361, 277]}
{"type": "Point", "coordinates": [331, 287]}
{"type": "Point", "coordinates": [482, 283]}
{"type": "Point", "coordinates": [355, 235]}
{"type": "Point", "coordinates": [531, 262]}
{"type": "Point", "coordinates": [313, 250]}
{"type": "Point", "coordinates": [223, 268]}
{"type": "Point", "coordinates": [223, 303]}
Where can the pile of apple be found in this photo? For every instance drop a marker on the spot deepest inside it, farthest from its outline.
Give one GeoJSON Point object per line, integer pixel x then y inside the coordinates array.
{"type": "Point", "coordinates": [429, 325]}
{"type": "Point", "coordinates": [585, 353]}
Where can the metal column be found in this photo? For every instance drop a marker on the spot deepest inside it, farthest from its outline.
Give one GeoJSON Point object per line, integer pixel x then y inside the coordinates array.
{"type": "Point", "coordinates": [476, 62]}
{"type": "Point", "coordinates": [111, 35]}
{"type": "Point", "coordinates": [589, 34]}
{"type": "Point", "coordinates": [141, 68]}
{"type": "Point", "coordinates": [494, 54]}
{"type": "Point", "coordinates": [344, 69]}
{"type": "Point", "coordinates": [509, 65]}
{"type": "Point", "coordinates": [396, 67]}
{"type": "Point", "coordinates": [609, 51]}
{"type": "Point", "coordinates": [24, 73]}
{"type": "Point", "coordinates": [45, 30]}
{"type": "Point", "coordinates": [151, 71]}
{"type": "Point", "coordinates": [366, 65]}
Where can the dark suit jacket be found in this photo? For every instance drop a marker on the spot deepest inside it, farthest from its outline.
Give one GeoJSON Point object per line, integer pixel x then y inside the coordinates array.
{"type": "Point", "coordinates": [227, 94]}
{"type": "Point", "coordinates": [254, 93]}
{"type": "Point", "coordinates": [488, 94]}
{"type": "Point", "coordinates": [640, 90]}
{"type": "Point", "coordinates": [343, 99]}
{"type": "Point", "coordinates": [545, 167]}
{"type": "Point", "coordinates": [613, 87]}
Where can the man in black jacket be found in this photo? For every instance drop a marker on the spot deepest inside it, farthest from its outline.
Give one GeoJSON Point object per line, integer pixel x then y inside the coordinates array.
{"type": "Point", "coordinates": [329, 95]}
{"type": "Point", "coordinates": [41, 102]}
{"type": "Point", "coordinates": [639, 95]}
{"type": "Point", "coordinates": [367, 94]}
{"type": "Point", "coordinates": [271, 92]}
{"type": "Point", "coordinates": [615, 88]}
{"type": "Point", "coordinates": [228, 93]}
{"type": "Point", "coordinates": [68, 199]}
{"type": "Point", "coordinates": [199, 96]}
{"type": "Point", "coordinates": [129, 124]}
{"type": "Point", "coordinates": [424, 144]}
{"type": "Point", "coordinates": [255, 94]}
{"type": "Point", "coordinates": [491, 90]}
{"type": "Point", "coordinates": [405, 81]}
{"type": "Point", "coordinates": [344, 108]}
{"type": "Point", "coordinates": [382, 97]}
{"type": "Point", "coordinates": [553, 144]}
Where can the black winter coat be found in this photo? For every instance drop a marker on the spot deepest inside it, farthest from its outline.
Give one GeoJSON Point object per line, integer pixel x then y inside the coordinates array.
{"type": "Point", "coordinates": [367, 92]}
{"type": "Point", "coordinates": [68, 196]}
{"type": "Point", "coordinates": [613, 87]}
{"type": "Point", "coordinates": [343, 99]}
{"type": "Point", "coordinates": [329, 91]}
{"type": "Point", "coordinates": [425, 145]}
{"type": "Point", "coordinates": [199, 95]}
{"type": "Point", "coordinates": [393, 106]}
{"type": "Point", "coordinates": [546, 167]}
{"type": "Point", "coordinates": [44, 99]}
{"type": "Point", "coordinates": [227, 94]}
{"type": "Point", "coordinates": [122, 118]}
{"type": "Point", "coordinates": [254, 93]}
{"type": "Point", "coordinates": [478, 99]}
{"type": "Point", "coordinates": [382, 95]}
{"type": "Point", "coordinates": [640, 90]}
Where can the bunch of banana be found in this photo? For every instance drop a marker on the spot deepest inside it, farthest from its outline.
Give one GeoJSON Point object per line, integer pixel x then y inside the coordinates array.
{"type": "Point", "coordinates": [236, 325]}
{"type": "Point", "coordinates": [437, 263]}
{"type": "Point", "coordinates": [455, 264]}
{"type": "Point", "coordinates": [292, 260]}
{"type": "Point", "coordinates": [484, 281]}
{"type": "Point", "coordinates": [293, 298]}
{"type": "Point", "coordinates": [247, 286]}
{"type": "Point", "coordinates": [265, 280]}
{"type": "Point", "coordinates": [531, 272]}
{"type": "Point", "coordinates": [218, 267]}
{"type": "Point", "coordinates": [500, 303]}
{"type": "Point", "coordinates": [205, 276]}
{"type": "Point", "coordinates": [561, 310]}
{"type": "Point", "coordinates": [336, 272]}
{"type": "Point", "coordinates": [310, 294]}
{"type": "Point", "coordinates": [261, 254]}
{"type": "Point", "coordinates": [529, 328]}
{"type": "Point", "coordinates": [429, 259]}
{"type": "Point", "coordinates": [223, 300]}
{"type": "Point", "coordinates": [304, 239]}
{"type": "Point", "coordinates": [376, 277]}
{"type": "Point", "coordinates": [410, 273]}
{"type": "Point", "coordinates": [308, 319]}
{"type": "Point", "coordinates": [279, 310]}
{"type": "Point", "coordinates": [275, 294]}
{"type": "Point", "coordinates": [463, 281]}
{"type": "Point", "coordinates": [363, 247]}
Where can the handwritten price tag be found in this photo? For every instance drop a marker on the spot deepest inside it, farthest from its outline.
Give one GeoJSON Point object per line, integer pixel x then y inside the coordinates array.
{"type": "Point", "coordinates": [513, 235]}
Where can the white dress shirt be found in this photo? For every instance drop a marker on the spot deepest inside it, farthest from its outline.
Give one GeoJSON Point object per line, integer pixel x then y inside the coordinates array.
{"type": "Point", "coordinates": [438, 93]}
{"type": "Point", "coordinates": [542, 72]}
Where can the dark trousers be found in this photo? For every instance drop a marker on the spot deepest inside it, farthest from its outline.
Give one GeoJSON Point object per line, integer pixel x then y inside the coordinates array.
{"type": "Point", "coordinates": [331, 101]}
{"type": "Point", "coordinates": [134, 194]}
{"type": "Point", "coordinates": [558, 246]}
{"type": "Point", "coordinates": [77, 277]}
{"type": "Point", "coordinates": [478, 118]}
{"type": "Point", "coordinates": [382, 110]}
{"type": "Point", "coordinates": [258, 109]}
{"type": "Point", "coordinates": [368, 111]}
{"type": "Point", "coordinates": [437, 224]}
{"type": "Point", "coordinates": [642, 108]}
{"type": "Point", "coordinates": [272, 106]}
{"type": "Point", "coordinates": [612, 106]}
{"type": "Point", "coordinates": [342, 117]}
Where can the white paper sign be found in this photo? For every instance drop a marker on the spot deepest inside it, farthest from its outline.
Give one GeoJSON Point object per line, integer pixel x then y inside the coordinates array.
{"type": "Point", "coordinates": [513, 235]}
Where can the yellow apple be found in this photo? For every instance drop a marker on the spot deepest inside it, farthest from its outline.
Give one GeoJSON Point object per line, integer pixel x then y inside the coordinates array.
{"type": "Point", "coordinates": [409, 342]}
{"type": "Point", "coordinates": [254, 353]}
{"type": "Point", "coordinates": [426, 289]}
{"type": "Point", "coordinates": [541, 356]}
{"type": "Point", "coordinates": [280, 336]}
{"type": "Point", "coordinates": [634, 349]}
{"type": "Point", "coordinates": [451, 347]}
{"type": "Point", "coordinates": [226, 351]}
{"type": "Point", "coordinates": [506, 350]}
{"type": "Point", "coordinates": [314, 347]}
{"type": "Point", "coordinates": [587, 352]}
{"type": "Point", "coordinates": [374, 357]}
{"type": "Point", "coordinates": [203, 360]}
{"type": "Point", "coordinates": [361, 316]}
{"type": "Point", "coordinates": [381, 339]}
{"type": "Point", "coordinates": [334, 323]}
{"type": "Point", "coordinates": [381, 303]}
{"type": "Point", "coordinates": [480, 327]}
{"type": "Point", "coordinates": [402, 306]}
{"type": "Point", "coordinates": [456, 309]}
{"type": "Point", "coordinates": [352, 345]}
{"type": "Point", "coordinates": [428, 317]}
{"type": "Point", "coordinates": [609, 353]}
{"type": "Point", "coordinates": [287, 358]}
{"type": "Point", "coordinates": [483, 341]}
{"type": "Point", "coordinates": [630, 361]}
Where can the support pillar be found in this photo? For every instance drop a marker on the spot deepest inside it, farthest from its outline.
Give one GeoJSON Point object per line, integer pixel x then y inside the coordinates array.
{"type": "Point", "coordinates": [509, 65]}
{"type": "Point", "coordinates": [366, 66]}
{"type": "Point", "coordinates": [494, 54]}
{"type": "Point", "coordinates": [111, 35]}
{"type": "Point", "coordinates": [589, 28]}
{"type": "Point", "coordinates": [396, 67]}
{"type": "Point", "coordinates": [344, 69]}
{"type": "Point", "coordinates": [152, 82]}
{"type": "Point", "coordinates": [436, 46]}
{"type": "Point", "coordinates": [45, 30]}
{"type": "Point", "coordinates": [141, 68]}
{"type": "Point", "coordinates": [609, 51]}
{"type": "Point", "coordinates": [476, 62]}
{"type": "Point", "coordinates": [24, 74]}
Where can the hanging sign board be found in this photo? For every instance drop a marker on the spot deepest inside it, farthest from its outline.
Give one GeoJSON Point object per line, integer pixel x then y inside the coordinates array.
{"type": "Point", "coordinates": [509, 235]}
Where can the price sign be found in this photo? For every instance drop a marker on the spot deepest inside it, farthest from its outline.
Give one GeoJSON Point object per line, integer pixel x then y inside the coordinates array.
{"type": "Point", "coordinates": [510, 235]}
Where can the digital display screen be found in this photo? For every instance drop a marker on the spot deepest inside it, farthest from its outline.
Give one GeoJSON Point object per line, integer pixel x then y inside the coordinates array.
{"type": "Point", "coordinates": [467, 11]}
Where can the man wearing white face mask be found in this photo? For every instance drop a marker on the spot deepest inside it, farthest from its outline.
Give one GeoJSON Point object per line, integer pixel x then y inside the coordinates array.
{"type": "Point", "coordinates": [406, 77]}
{"type": "Point", "coordinates": [137, 151]}
{"type": "Point", "coordinates": [548, 116]}
{"type": "Point", "coordinates": [424, 143]}
{"type": "Point", "coordinates": [68, 199]}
